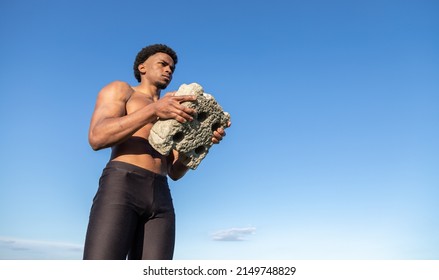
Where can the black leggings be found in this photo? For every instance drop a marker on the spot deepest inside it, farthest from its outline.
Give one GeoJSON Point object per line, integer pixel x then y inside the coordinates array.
{"type": "Point", "coordinates": [132, 216]}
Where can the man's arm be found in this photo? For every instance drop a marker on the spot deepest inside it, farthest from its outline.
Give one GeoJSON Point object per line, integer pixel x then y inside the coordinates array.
{"type": "Point", "coordinates": [177, 169]}
{"type": "Point", "coordinates": [110, 124]}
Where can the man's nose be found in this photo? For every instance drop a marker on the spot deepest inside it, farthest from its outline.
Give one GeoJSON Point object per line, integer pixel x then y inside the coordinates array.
{"type": "Point", "coordinates": [168, 69]}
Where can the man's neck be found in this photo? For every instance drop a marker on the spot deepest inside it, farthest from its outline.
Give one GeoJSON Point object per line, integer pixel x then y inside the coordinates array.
{"type": "Point", "coordinates": [149, 90]}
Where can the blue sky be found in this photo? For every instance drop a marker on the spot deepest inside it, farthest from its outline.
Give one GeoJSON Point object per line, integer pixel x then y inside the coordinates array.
{"type": "Point", "coordinates": [333, 152]}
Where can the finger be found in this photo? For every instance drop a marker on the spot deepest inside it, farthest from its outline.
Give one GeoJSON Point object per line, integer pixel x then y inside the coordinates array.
{"type": "Point", "coordinates": [183, 98]}
{"type": "Point", "coordinates": [218, 136]}
{"type": "Point", "coordinates": [179, 118]}
{"type": "Point", "coordinates": [182, 116]}
{"type": "Point", "coordinates": [171, 93]}
{"type": "Point", "coordinates": [182, 108]}
{"type": "Point", "coordinates": [221, 131]}
{"type": "Point", "coordinates": [187, 110]}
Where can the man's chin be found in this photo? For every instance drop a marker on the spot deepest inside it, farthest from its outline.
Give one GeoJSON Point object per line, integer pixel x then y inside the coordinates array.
{"type": "Point", "coordinates": [162, 85]}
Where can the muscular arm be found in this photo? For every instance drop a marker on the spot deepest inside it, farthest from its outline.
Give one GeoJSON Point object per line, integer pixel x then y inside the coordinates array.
{"type": "Point", "coordinates": [110, 124]}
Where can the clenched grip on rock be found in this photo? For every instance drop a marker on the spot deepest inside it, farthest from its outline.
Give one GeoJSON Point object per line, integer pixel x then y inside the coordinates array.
{"type": "Point", "coordinates": [194, 138]}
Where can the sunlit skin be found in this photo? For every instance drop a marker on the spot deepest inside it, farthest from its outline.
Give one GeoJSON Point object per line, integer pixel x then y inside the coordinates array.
{"type": "Point", "coordinates": [124, 114]}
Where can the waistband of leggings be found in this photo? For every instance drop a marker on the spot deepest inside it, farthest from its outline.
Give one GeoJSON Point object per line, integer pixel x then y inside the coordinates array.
{"type": "Point", "coordinates": [134, 168]}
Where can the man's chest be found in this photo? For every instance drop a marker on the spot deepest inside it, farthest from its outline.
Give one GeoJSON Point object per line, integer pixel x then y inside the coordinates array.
{"type": "Point", "coordinates": [137, 102]}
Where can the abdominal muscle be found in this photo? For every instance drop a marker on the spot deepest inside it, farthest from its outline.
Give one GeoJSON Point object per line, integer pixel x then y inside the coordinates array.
{"type": "Point", "coordinates": [136, 150]}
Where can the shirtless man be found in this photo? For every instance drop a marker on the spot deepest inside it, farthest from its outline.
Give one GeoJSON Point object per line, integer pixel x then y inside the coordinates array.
{"type": "Point", "coordinates": [132, 215]}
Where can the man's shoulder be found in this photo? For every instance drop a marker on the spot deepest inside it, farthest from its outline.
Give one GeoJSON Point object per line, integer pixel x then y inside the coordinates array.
{"type": "Point", "coordinates": [119, 86]}
{"type": "Point", "coordinates": [117, 89]}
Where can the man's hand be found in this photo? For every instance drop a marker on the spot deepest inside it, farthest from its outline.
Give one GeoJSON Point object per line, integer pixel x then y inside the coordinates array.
{"type": "Point", "coordinates": [219, 134]}
{"type": "Point", "coordinates": [170, 107]}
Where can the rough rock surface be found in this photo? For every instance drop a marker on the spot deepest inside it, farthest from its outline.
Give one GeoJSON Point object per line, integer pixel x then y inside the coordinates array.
{"type": "Point", "coordinates": [194, 138]}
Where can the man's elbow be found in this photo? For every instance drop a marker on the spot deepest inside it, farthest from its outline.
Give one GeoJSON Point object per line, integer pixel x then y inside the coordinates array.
{"type": "Point", "coordinates": [95, 143]}
{"type": "Point", "coordinates": [95, 146]}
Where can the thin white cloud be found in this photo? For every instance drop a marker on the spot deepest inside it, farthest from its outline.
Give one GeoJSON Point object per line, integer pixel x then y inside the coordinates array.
{"type": "Point", "coordinates": [21, 249]}
{"type": "Point", "coordinates": [233, 234]}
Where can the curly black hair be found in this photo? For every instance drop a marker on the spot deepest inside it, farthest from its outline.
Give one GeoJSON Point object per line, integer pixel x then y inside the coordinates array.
{"type": "Point", "coordinates": [147, 52]}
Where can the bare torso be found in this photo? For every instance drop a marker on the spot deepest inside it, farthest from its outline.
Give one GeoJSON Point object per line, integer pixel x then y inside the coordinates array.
{"type": "Point", "coordinates": [123, 117]}
{"type": "Point", "coordinates": [136, 149]}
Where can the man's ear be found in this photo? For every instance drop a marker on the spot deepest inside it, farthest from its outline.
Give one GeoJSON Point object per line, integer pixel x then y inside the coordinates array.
{"type": "Point", "coordinates": [141, 68]}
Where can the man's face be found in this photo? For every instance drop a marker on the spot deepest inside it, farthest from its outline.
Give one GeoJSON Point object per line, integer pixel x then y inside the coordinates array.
{"type": "Point", "coordinates": [158, 69]}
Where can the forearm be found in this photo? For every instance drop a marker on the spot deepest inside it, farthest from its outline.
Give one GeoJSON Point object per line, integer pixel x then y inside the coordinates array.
{"type": "Point", "coordinates": [178, 167]}
{"type": "Point", "coordinates": [111, 131]}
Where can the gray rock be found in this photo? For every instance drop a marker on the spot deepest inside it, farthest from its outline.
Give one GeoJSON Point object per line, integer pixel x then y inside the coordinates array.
{"type": "Point", "coordinates": [194, 138]}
